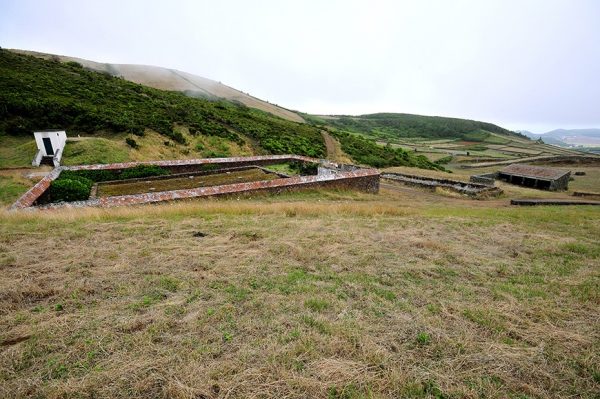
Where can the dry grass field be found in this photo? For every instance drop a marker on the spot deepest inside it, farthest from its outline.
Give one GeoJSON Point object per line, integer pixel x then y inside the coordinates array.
{"type": "Point", "coordinates": [317, 294]}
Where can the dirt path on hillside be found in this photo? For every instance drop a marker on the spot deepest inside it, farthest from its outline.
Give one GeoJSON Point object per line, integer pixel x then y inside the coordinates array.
{"type": "Point", "coordinates": [334, 149]}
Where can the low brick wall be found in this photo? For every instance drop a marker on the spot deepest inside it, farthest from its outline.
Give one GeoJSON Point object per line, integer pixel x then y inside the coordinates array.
{"type": "Point", "coordinates": [29, 198]}
{"type": "Point", "coordinates": [366, 180]}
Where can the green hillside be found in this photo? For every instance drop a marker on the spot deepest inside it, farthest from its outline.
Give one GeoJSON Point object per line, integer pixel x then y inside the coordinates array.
{"type": "Point", "coordinates": [389, 127]}
{"type": "Point", "coordinates": [38, 94]}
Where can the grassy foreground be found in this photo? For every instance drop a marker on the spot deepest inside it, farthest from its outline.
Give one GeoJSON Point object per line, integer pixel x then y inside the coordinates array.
{"type": "Point", "coordinates": [352, 296]}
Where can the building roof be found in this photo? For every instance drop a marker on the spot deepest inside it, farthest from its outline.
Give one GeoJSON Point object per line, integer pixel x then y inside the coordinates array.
{"type": "Point", "coordinates": [536, 172]}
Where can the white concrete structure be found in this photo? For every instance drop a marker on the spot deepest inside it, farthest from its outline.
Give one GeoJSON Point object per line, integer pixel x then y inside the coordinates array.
{"type": "Point", "coordinates": [50, 144]}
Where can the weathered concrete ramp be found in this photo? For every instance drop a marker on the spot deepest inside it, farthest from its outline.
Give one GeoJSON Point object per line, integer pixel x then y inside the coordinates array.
{"type": "Point", "coordinates": [533, 202]}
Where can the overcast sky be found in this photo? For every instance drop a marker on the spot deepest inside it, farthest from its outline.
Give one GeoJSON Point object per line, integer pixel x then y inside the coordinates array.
{"type": "Point", "coordinates": [523, 64]}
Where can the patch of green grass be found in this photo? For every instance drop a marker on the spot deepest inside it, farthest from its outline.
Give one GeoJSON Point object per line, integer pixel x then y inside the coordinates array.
{"type": "Point", "coordinates": [494, 139]}
{"type": "Point", "coordinates": [424, 389]}
{"type": "Point", "coordinates": [16, 151]}
{"type": "Point", "coordinates": [350, 391]}
{"type": "Point", "coordinates": [158, 290]}
{"type": "Point", "coordinates": [423, 338]}
{"type": "Point", "coordinates": [168, 283]}
{"type": "Point", "coordinates": [11, 189]}
{"type": "Point", "coordinates": [56, 369]}
{"type": "Point", "coordinates": [522, 291]}
{"type": "Point", "coordinates": [478, 135]}
{"type": "Point", "coordinates": [485, 318]}
{"type": "Point", "coordinates": [148, 300]}
{"type": "Point", "coordinates": [580, 248]}
{"type": "Point", "coordinates": [588, 291]}
{"type": "Point", "coordinates": [227, 337]}
{"type": "Point", "coordinates": [237, 294]}
{"type": "Point", "coordinates": [384, 293]}
{"type": "Point", "coordinates": [475, 147]}
{"type": "Point", "coordinates": [319, 325]}
{"type": "Point", "coordinates": [95, 151]}
{"type": "Point", "coordinates": [316, 304]}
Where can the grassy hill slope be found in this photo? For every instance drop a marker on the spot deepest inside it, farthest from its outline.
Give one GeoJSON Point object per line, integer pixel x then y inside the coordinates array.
{"type": "Point", "coordinates": [39, 94]}
{"type": "Point", "coordinates": [173, 80]}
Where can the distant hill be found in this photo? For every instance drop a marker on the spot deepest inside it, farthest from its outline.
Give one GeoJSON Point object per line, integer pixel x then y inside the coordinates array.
{"type": "Point", "coordinates": [568, 137]}
{"type": "Point", "coordinates": [174, 80]}
{"type": "Point", "coordinates": [390, 126]}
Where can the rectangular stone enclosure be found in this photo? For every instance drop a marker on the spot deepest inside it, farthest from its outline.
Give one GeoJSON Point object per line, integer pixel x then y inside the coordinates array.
{"type": "Point", "coordinates": [329, 176]}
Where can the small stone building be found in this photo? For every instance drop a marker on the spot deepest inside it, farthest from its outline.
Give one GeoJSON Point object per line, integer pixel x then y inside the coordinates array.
{"type": "Point", "coordinates": [50, 144]}
{"type": "Point", "coordinates": [552, 179]}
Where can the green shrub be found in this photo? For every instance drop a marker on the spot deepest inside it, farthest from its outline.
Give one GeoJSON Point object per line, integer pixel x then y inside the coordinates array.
{"type": "Point", "coordinates": [74, 64]}
{"type": "Point", "coordinates": [137, 130]}
{"type": "Point", "coordinates": [304, 168]}
{"type": "Point", "coordinates": [108, 175]}
{"type": "Point", "coordinates": [93, 175]}
{"type": "Point", "coordinates": [423, 338]}
{"type": "Point", "coordinates": [132, 143]}
{"type": "Point", "coordinates": [67, 189]}
{"type": "Point", "coordinates": [175, 135]}
{"type": "Point", "coordinates": [444, 160]}
{"type": "Point", "coordinates": [143, 171]}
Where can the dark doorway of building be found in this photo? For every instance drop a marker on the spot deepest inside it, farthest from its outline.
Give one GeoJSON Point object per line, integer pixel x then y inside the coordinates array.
{"type": "Point", "coordinates": [48, 146]}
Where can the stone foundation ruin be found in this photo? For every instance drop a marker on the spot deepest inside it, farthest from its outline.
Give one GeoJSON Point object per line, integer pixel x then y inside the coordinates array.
{"type": "Point", "coordinates": [327, 175]}
{"type": "Point", "coordinates": [470, 189]}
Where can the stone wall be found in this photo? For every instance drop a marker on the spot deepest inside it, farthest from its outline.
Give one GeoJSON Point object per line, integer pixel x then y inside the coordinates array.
{"type": "Point", "coordinates": [366, 180]}
{"type": "Point", "coordinates": [471, 189]}
{"type": "Point", "coordinates": [29, 198]}
{"type": "Point", "coordinates": [489, 179]}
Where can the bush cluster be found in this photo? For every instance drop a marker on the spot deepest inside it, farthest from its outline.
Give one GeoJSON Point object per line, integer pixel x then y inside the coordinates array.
{"type": "Point", "coordinates": [101, 175]}
{"type": "Point", "coordinates": [132, 143]}
{"type": "Point", "coordinates": [304, 168]}
{"type": "Point", "coordinates": [70, 188]}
